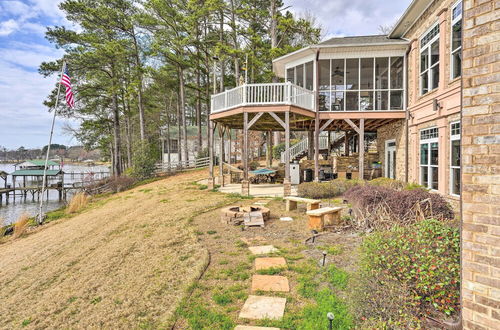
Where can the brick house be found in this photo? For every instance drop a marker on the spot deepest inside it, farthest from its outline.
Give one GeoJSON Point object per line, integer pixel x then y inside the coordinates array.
{"type": "Point", "coordinates": [429, 92]}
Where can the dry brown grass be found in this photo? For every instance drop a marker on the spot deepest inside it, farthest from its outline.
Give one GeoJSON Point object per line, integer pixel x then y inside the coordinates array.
{"type": "Point", "coordinates": [125, 262]}
{"type": "Point", "coordinates": [21, 225]}
{"type": "Point", "coordinates": [79, 201]}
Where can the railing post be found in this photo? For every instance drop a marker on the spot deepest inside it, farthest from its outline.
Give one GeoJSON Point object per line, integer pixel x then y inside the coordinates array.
{"type": "Point", "coordinates": [225, 100]}
{"type": "Point", "coordinates": [244, 94]}
{"type": "Point", "coordinates": [288, 89]}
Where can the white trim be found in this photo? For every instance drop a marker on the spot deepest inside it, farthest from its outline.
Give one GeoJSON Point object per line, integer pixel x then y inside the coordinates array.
{"type": "Point", "coordinates": [459, 49]}
{"type": "Point", "coordinates": [453, 137]}
{"type": "Point", "coordinates": [386, 168]}
{"type": "Point", "coordinates": [302, 60]}
{"type": "Point", "coordinates": [427, 48]}
{"type": "Point", "coordinates": [429, 167]}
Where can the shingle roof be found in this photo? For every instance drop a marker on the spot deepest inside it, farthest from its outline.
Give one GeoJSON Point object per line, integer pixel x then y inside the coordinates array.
{"type": "Point", "coordinates": [39, 162]}
{"type": "Point", "coordinates": [360, 40]}
{"type": "Point", "coordinates": [36, 172]}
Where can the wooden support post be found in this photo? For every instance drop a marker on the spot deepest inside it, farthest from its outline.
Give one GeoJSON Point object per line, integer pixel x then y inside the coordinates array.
{"type": "Point", "coordinates": [361, 148]}
{"type": "Point", "coordinates": [221, 154]}
{"type": "Point", "coordinates": [310, 146]}
{"type": "Point", "coordinates": [245, 184]}
{"type": "Point", "coordinates": [346, 144]}
{"type": "Point", "coordinates": [211, 179]}
{"type": "Point", "coordinates": [316, 121]}
{"type": "Point", "coordinates": [269, 149]}
{"type": "Point", "coordinates": [287, 184]}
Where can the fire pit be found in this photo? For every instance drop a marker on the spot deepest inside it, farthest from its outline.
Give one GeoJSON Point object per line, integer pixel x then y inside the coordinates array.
{"type": "Point", "coordinates": [235, 215]}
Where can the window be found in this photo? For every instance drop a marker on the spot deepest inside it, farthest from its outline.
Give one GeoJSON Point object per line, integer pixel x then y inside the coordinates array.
{"type": "Point", "coordinates": [302, 75]}
{"type": "Point", "coordinates": [429, 152]}
{"type": "Point", "coordinates": [364, 84]}
{"type": "Point", "coordinates": [456, 40]}
{"type": "Point", "coordinates": [455, 158]}
{"type": "Point", "coordinates": [429, 60]}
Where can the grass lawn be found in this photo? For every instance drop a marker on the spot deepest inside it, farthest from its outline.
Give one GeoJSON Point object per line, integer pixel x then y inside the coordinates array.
{"type": "Point", "coordinates": [217, 298]}
{"type": "Point", "coordinates": [125, 261]}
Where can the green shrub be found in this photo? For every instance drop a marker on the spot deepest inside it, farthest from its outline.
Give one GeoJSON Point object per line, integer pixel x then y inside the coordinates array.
{"type": "Point", "coordinates": [253, 165]}
{"type": "Point", "coordinates": [394, 184]}
{"type": "Point", "coordinates": [424, 258]}
{"type": "Point", "coordinates": [330, 189]}
{"type": "Point", "coordinates": [144, 160]}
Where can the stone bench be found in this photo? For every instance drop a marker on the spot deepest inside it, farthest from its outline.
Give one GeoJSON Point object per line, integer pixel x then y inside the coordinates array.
{"type": "Point", "coordinates": [291, 203]}
{"type": "Point", "coordinates": [325, 216]}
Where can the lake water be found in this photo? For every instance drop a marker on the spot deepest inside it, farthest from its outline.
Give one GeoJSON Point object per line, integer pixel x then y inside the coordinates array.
{"type": "Point", "coordinates": [9, 213]}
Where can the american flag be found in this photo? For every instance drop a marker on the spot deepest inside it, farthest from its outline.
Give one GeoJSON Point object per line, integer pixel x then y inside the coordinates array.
{"type": "Point", "coordinates": [66, 81]}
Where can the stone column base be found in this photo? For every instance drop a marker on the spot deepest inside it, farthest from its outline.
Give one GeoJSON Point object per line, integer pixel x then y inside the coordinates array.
{"type": "Point", "coordinates": [221, 180]}
{"type": "Point", "coordinates": [245, 188]}
{"type": "Point", "coordinates": [227, 178]}
{"type": "Point", "coordinates": [211, 183]}
{"type": "Point", "coordinates": [287, 188]}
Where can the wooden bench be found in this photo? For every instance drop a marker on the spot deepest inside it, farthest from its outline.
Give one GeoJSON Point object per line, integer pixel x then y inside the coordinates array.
{"type": "Point", "coordinates": [291, 203]}
{"type": "Point", "coordinates": [325, 216]}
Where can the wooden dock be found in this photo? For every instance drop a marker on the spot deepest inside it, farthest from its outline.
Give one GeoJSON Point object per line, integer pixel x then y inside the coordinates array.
{"type": "Point", "coordinates": [34, 192]}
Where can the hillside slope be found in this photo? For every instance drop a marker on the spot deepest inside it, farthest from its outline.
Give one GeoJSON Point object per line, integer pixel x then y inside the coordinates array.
{"type": "Point", "coordinates": [124, 263]}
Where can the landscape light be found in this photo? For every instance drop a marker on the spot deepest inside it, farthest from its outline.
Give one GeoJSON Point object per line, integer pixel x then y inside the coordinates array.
{"type": "Point", "coordinates": [330, 317]}
{"type": "Point", "coordinates": [315, 233]}
{"type": "Point", "coordinates": [324, 258]}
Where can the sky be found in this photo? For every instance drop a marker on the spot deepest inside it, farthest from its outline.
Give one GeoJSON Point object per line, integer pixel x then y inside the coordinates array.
{"type": "Point", "coordinates": [25, 121]}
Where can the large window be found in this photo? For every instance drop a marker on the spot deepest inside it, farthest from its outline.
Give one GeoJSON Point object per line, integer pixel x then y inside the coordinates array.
{"type": "Point", "coordinates": [302, 75]}
{"type": "Point", "coordinates": [364, 84]}
{"type": "Point", "coordinates": [456, 40]}
{"type": "Point", "coordinates": [429, 152]}
{"type": "Point", "coordinates": [429, 60]}
{"type": "Point", "coordinates": [455, 158]}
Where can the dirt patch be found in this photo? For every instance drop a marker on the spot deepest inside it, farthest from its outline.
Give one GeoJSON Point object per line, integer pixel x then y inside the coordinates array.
{"type": "Point", "coordinates": [124, 263]}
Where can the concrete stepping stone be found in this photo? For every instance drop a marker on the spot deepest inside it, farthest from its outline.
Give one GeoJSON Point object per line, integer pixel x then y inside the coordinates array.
{"type": "Point", "coordinates": [263, 249]}
{"type": "Point", "coordinates": [251, 327]}
{"type": "Point", "coordinates": [271, 262]}
{"type": "Point", "coordinates": [274, 283]}
{"type": "Point", "coordinates": [262, 307]}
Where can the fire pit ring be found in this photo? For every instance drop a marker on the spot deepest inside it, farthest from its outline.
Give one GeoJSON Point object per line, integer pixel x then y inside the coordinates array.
{"type": "Point", "coordinates": [234, 215]}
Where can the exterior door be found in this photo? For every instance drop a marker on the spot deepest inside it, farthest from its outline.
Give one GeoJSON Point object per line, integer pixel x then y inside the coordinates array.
{"type": "Point", "coordinates": [390, 159]}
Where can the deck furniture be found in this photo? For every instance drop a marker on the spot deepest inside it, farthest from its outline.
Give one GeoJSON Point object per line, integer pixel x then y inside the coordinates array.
{"type": "Point", "coordinates": [325, 216]}
{"type": "Point", "coordinates": [291, 203]}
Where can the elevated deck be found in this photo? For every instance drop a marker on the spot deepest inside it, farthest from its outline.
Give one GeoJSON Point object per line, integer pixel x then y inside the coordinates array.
{"type": "Point", "coordinates": [269, 101]}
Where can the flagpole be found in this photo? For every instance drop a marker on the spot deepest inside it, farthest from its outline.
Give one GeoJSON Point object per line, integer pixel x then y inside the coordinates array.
{"type": "Point", "coordinates": [44, 181]}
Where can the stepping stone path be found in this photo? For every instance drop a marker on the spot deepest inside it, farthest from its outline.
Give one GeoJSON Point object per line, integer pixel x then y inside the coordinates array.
{"type": "Point", "coordinates": [270, 283]}
{"type": "Point", "coordinates": [264, 307]}
{"type": "Point", "coordinates": [250, 327]}
{"type": "Point", "coordinates": [263, 249]}
{"type": "Point", "coordinates": [266, 263]}
{"type": "Point", "coordinates": [261, 307]}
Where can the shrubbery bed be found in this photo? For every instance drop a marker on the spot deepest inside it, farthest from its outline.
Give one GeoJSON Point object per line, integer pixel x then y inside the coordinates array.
{"type": "Point", "coordinates": [423, 259]}
{"type": "Point", "coordinates": [329, 189]}
{"type": "Point", "coordinates": [382, 207]}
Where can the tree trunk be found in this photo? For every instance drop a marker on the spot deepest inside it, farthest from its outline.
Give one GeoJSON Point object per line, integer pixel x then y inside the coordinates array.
{"type": "Point", "coordinates": [117, 136]}
{"type": "Point", "coordinates": [183, 113]}
{"type": "Point", "coordinates": [139, 94]}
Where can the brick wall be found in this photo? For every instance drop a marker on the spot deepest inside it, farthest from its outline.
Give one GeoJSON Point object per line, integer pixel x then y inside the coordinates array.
{"type": "Point", "coordinates": [481, 165]}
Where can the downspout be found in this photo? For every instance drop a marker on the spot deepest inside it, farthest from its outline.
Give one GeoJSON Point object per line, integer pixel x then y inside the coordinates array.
{"type": "Point", "coordinates": [407, 115]}
{"type": "Point", "coordinates": [316, 121]}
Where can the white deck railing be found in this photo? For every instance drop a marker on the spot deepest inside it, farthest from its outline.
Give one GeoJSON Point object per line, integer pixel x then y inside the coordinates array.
{"type": "Point", "coordinates": [301, 147]}
{"type": "Point", "coordinates": [263, 94]}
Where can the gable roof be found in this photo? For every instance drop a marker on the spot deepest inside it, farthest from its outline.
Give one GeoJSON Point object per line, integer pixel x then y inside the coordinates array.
{"type": "Point", "coordinates": [362, 41]}
{"type": "Point", "coordinates": [37, 162]}
{"type": "Point", "coordinates": [36, 172]}
{"type": "Point", "coordinates": [409, 17]}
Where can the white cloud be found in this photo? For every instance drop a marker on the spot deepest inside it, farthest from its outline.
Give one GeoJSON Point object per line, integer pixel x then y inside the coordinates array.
{"type": "Point", "coordinates": [351, 17]}
{"type": "Point", "coordinates": [8, 27]}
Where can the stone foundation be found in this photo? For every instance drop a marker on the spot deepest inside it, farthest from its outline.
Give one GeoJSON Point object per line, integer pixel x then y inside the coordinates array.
{"type": "Point", "coordinates": [211, 183]}
{"type": "Point", "coordinates": [287, 188]}
{"type": "Point", "coordinates": [245, 188]}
